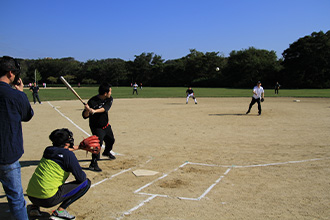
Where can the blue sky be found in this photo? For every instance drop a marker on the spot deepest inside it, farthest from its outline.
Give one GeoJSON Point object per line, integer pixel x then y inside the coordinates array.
{"type": "Point", "coordinates": [101, 29]}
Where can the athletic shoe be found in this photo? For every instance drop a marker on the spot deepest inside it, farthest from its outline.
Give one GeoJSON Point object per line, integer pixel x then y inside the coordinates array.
{"type": "Point", "coordinates": [111, 157]}
{"type": "Point", "coordinates": [34, 211]}
{"type": "Point", "coordinates": [196, 103]}
{"type": "Point", "coordinates": [56, 215]}
{"type": "Point", "coordinates": [94, 167]}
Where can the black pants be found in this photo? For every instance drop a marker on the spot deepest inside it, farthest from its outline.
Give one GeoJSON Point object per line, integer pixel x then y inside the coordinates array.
{"type": "Point", "coordinates": [135, 90]}
{"type": "Point", "coordinates": [68, 193]}
{"type": "Point", "coordinates": [105, 135]}
{"type": "Point", "coordinates": [276, 90]}
{"type": "Point", "coordinates": [254, 101]}
{"type": "Point", "coordinates": [36, 96]}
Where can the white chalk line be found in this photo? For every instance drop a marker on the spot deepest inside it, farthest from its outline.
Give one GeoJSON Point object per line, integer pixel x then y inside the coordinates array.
{"type": "Point", "coordinates": [117, 174]}
{"type": "Point", "coordinates": [152, 196]}
{"type": "Point", "coordinates": [64, 116]}
{"type": "Point", "coordinates": [165, 175]}
{"type": "Point", "coordinates": [69, 119]}
{"type": "Point", "coordinates": [261, 165]}
{"type": "Point", "coordinates": [109, 178]}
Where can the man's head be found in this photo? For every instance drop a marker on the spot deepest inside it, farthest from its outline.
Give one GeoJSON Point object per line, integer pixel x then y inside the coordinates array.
{"type": "Point", "coordinates": [9, 64]}
{"type": "Point", "coordinates": [105, 89]}
{"type": "Point", "coordinates": [258, 83]}
{"type": "Point", "coordinates": [61, 137]}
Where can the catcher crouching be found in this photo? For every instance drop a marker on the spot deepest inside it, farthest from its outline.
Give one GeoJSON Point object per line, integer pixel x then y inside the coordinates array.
{"type": "Point", "coordinates": [47, 186]}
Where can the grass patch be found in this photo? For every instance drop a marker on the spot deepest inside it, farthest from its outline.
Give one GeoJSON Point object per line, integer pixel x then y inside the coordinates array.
{"type": "Point", "coordinates": [61, 93]}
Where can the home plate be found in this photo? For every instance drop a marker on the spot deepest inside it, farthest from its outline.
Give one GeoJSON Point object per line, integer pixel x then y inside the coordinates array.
{"type": "Point", "coordinates": [144, 173]}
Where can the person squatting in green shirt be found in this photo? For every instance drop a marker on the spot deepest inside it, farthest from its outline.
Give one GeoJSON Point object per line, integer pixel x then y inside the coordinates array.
{"type": "Point", "coordinates": [47, 186]}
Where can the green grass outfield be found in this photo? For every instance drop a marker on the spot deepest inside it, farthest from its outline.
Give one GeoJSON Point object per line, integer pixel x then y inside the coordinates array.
{"type": "Point", "coordinates": [61, 93]}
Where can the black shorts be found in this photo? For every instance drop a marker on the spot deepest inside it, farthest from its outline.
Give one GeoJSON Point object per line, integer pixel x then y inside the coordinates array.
{"type": "Point", "coordinates": [67, 193]}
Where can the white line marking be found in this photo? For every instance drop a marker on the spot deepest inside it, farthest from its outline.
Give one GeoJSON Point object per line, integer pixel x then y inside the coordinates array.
{"type": "Point", "coordinates": [138, 206]}
{"type": "Point", "coordinates": [209, 165]}
{"type": "Point", "coordinates": [121, 172]}
{"type": "Point", "coordinates": [208, 189]}
{"type": "Point", "coordinates": [165, 175]}
{"type": "Point", "coordinates": [117, 174]}
{"type": "Point", "coordinates": [78, 126]}
{"type": "Point", "coordinates": [152, 196]}
{"type": "Point", "coordinates": [69, 119]}
{"type": "Point", "coordinates": [281, 163]}
{"type": "Point", "coordinates": [213, 185]}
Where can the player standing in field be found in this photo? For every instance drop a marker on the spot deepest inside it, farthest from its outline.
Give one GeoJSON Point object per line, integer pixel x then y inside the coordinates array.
{"type": "Point", "coordinates": [258, 96]}
{"type": "Point", "coordinates": [135, 87]}
{"type": "Point", "coordinates": [190, 93]}
{"type": "Point", "coordinates": [96, 110]}
{"type": "Point", "coordinates": [35, 91]}
{"type": "Point", "coordinates": [277, 87]}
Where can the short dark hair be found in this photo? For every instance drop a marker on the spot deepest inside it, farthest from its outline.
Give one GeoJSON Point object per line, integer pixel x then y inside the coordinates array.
{"type": "Point", "coordinates": [60, 137]}
{"type": "Point", "coordinates": [7, 64]}
{"type": "Point", "coordinates": [104, 88]}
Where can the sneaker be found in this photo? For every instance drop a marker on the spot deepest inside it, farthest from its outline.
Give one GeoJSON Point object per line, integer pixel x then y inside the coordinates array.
{"type": "Point", "coordinates": [94, 167]}
{"type": "Point", "coordinates": [196, 103]}
{"type": "Point", "coordinates": [34, 211]}
{"type": "Point", "coordinates": [110, 155]}
{"type": "Point", "coordinates": [56, 215]}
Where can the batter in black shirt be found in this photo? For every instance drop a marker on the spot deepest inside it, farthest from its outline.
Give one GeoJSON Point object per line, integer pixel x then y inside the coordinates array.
{"type": "Point", "coordinates": [97, 111]}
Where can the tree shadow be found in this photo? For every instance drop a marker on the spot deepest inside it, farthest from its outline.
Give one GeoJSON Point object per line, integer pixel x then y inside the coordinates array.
{"type": "Point", "coordinates": [175, 103]}
{"type": "Point", "coordinates": [227, 114]}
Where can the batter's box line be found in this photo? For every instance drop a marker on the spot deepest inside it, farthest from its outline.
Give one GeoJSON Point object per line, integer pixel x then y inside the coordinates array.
{"type": "Point", "coordinates": [152, 196]}
{"type": "Point", "coordinates": [184, 198]}
{"type": "Point", "coordinates": [67, 118]}
{"type": "Point", "coordinates": [119, 173]}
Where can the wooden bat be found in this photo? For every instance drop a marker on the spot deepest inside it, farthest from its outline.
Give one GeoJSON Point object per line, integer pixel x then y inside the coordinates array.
{"type": "Point", "coordinates": [72, 90]}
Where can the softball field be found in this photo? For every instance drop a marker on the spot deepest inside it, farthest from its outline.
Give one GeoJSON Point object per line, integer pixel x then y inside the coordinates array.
{"type": "Point", "coordinates": [213, 161]}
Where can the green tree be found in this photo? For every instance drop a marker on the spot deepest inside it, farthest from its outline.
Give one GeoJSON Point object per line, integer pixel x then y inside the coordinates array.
{"type": "Point", "coordinates": [307, 62]}
{"type": "Point", "coordinates": [246, 67]}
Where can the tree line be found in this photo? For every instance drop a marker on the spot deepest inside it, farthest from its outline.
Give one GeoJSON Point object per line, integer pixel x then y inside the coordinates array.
{"type": "Point", "coordinates": [305, 64]}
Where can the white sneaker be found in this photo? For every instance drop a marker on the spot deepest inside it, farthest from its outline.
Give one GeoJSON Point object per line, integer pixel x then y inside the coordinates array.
{"type": "Point", "coordinates": [56, 215]}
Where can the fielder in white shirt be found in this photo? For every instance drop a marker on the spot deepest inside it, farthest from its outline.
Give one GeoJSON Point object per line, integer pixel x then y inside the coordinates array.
{"type": "Point", "coordinates": [258, 97]}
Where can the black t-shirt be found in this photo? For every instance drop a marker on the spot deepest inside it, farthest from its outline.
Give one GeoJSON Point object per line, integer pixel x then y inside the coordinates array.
{"type": "Point", "coordinates": [189, 91]}
{"type": "Point", "coordinates": [99, 120]}
{"type": "Point", "coordinates": [35, 89]}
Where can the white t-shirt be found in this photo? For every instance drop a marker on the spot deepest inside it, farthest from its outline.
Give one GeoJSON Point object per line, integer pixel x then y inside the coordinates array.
{"type": "Point", "coordinates": [259, 91]}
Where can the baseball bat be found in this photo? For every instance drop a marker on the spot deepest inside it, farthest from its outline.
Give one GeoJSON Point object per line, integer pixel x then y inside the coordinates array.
{"type": "Point", "coordinates": [72, 90]}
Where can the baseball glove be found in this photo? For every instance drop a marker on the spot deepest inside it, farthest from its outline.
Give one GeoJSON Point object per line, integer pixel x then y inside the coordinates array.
{"type": "Point", "coordinates": [91, 144]}
{"type": "Point", "coordinates": [262, 99]}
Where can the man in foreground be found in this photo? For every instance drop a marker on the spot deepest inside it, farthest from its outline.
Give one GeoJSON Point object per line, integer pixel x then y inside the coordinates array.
{"type": "Point", "coordinates": [15, 108]}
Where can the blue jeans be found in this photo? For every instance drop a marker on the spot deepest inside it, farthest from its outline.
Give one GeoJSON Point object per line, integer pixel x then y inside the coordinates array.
{"type": "Point", "coordinates": [10, 177]}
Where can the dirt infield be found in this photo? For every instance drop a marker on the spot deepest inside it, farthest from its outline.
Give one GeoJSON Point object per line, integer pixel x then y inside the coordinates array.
{"type": "Point", "coordinates": [214, 162]}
